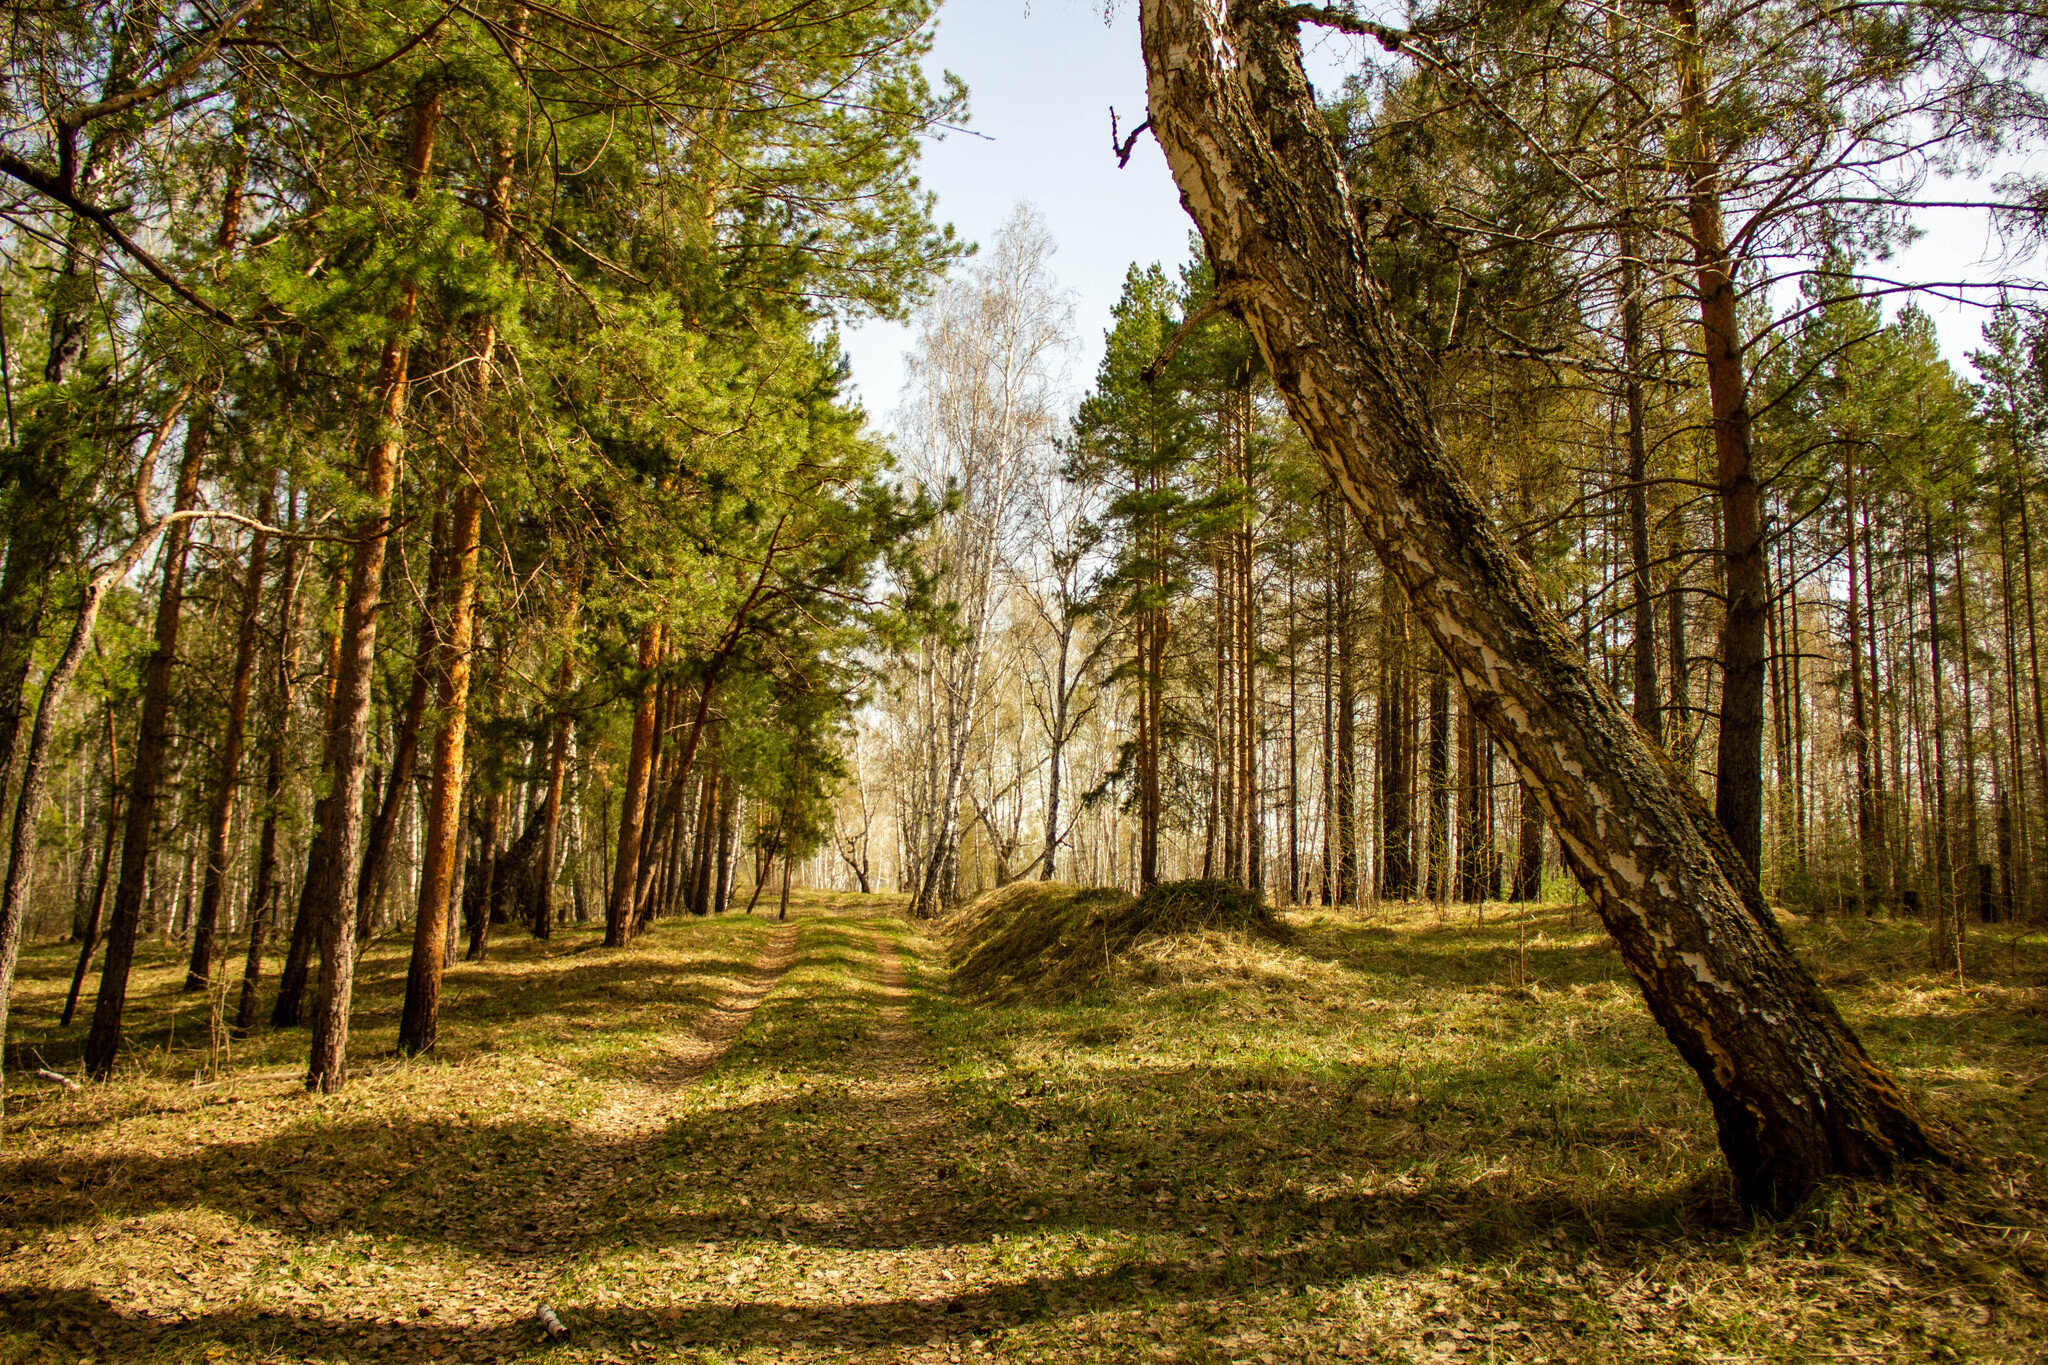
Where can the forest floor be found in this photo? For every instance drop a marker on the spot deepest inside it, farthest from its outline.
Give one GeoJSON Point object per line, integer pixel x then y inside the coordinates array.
{"type": "Point", "coordinates": [1406, 1135]}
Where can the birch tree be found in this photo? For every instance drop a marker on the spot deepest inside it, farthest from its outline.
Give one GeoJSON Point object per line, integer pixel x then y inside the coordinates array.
{"type": "Point", "coordinates": [982, 414]}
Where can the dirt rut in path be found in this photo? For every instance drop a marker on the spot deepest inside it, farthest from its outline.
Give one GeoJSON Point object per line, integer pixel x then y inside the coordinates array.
{"type": "Point", "coordinates": [809, 1209]}
{"type": "Point", "coordinates": [615, 1139]}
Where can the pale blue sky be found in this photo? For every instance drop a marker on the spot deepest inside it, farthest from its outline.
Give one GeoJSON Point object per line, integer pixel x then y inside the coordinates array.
{"type": "Point", "coordinates": [1041, 77]}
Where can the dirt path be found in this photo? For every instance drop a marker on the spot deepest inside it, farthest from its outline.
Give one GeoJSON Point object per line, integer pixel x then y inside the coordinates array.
{"type": "Point", "coordinates": [810, 1206]}
{"type": "Point", "coordinates": [612, 1142]}
{"type": "Point", "coordinates": [761, 1166]}
{"type": "Point", "coordinates": [419, 1217]}
{"type": "Point", "coordinates": [616, 1137]}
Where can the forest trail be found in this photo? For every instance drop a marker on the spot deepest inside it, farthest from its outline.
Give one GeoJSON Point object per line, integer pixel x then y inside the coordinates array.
{"type": "Point", "coordinates": [623, 1132]}
{"type": "Point", "coordinates": [272, 1228]}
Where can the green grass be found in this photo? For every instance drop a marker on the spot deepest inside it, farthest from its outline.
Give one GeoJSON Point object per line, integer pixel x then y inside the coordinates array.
{"type": "Point", "coordinates": [1413, 1136]}
{"type": "Point", "coordinates": [1400, 1133]}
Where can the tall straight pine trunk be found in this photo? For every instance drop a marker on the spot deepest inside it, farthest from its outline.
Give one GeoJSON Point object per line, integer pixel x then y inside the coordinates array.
{"type": "Point", "coordinates": [1738, 773]}
{"type": "Point", "coordinates": [619, 916]}
{"type": "Point", "coordinates": [221, 802]}
{"type": "Point", "coordinates": [331, 907]}
{"type": "Point", "coordinates": [265, 887]}
{"type": "Point", "coordinates": [455, 637]}
{"type": "Point", "coordinates": [558, 762]}
{"type": "Point", "coordinates": [441, 844]}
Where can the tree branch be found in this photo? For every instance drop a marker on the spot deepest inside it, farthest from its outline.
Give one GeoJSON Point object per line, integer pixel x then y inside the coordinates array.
{"type": "Point", "coordinates": [58, 190]}
{"type": "Point", "coordinates": [1122, 150]}
{"type": "Point", "coordinates": [69, 124]}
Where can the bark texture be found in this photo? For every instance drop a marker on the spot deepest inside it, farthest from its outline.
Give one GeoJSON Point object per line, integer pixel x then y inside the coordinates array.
{"type": "Point", "coordinates": [332, 903]}
{"type": "Point", "coordinates": [1796, 1098]}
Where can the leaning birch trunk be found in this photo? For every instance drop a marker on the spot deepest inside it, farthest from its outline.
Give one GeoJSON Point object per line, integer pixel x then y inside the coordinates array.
{"type": "Point", "coordinates": [1796, 1098]}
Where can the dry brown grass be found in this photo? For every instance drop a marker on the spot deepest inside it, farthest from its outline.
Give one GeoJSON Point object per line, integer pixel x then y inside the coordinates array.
{"type": "Point", "coordinates": [1417, 1134]}
{"type": "Point", "coordinates": [1053, 940]}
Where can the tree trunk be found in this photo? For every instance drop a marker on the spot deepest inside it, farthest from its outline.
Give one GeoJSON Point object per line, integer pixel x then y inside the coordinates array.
{"type": "Point", "coordinates": [1058, 737]}
{"type": "Point", "coordinates": [1293, 743]}
{"type": "Point", "coordinates": [1781, 745]}
{"type": "Point", "coordinates": [2016, 857]}
{"type": "Point", "coordinates": [1347, 716]}
{"type": "Point", "coordinates": [1247, 651]}
{"type": "Point", "coordinates": [1328, 893]}
{"type": "Point", "coordinates": [1222, 738]}
{"type": "Point", "coordinates": [666, 786]}
{"type": "Point", "coordinates": [1472, 804]}
{"type": "Point", "coordinates": [441, 851]}
{"type": "Point", "coordinates": [1739, 773]}
{"type": "Point", "coordinates": [2034, 677]}
{"type": "Point", "coordinates": [1796, 1097]}
{"type": "Point", "coordinates": [1644, 684]}
{"type": "Point", "coordinates": [1678, 736]}
{"type": "Point", "coordinates": [704, 862]}
{"type": "Point", "coordinates": [441, 854]}
{"type": "Point", "coordinates": [479, 899]}
{"type": "Point", "coordinates": [1868, 837]}
{"type": "Point", "coordinates": [404, 758]}
{"type": "Point", "coordinates": [729, 798]}
{"type": "Point", "coordinates": [1944, 938]}
{"type": "Point", "coordinates": [788, 857]}
{"type": "Point", "coordinates": [332, 908]}
{"type": "Point", "coordinates": [1152, 628]}
{"type": "Point", "coordinates": [1887, 880]}
{"type": "Point", "coordinates": [90, 939]}
{"type": "Point", "coordinates": [558, 760]}
{"type": "Point", "coordinates": [221, 806]}
{"type": "Point", "coordinates": [1528, 884]}
{"type": "Point", "coordinates": [1978, 896]}
{"type": "Point", "coordinates": [618, 913]}
{"type": "Point", "coordinates": [1396, 751]}
{"type": "Point", "coordinates": [1437, 877]}
{"type": "Point", "coordinates": [35, 773]}
{"type": "Point", "coordinates": [152, 733]}
{"type": "Point", "coordinates": [289, 1009]}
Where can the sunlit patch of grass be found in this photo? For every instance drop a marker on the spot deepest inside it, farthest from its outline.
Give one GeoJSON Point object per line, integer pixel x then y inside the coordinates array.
{"type": "Point", "coordinates": [196, 1202]}
{"type": "Point", "coordinates": [1419, 1131]}
{"type": "Point", "coordinates": [1413, 1135]}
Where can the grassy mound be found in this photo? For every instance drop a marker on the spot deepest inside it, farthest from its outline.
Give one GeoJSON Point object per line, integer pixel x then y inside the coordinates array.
{"type": "Point", "coordinates": [1186, 907]}
{"type": "Point", "coordinates": [1054, 940]}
